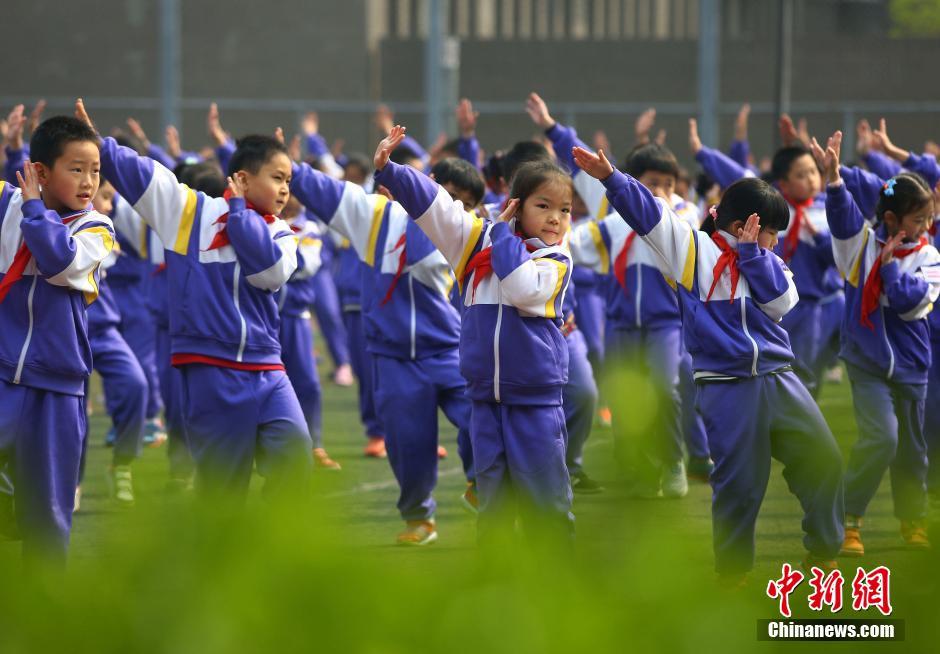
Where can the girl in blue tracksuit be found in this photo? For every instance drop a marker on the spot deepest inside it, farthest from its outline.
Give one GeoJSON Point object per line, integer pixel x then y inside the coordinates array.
{"type": "Point", "coordinates": [412, 332]}
{"type": "Point", "coordinates": [733, 292]}
{"type": "Point", "coordinates": [892, 279]}
{"type": "Point", "coordinates": [513, 275]}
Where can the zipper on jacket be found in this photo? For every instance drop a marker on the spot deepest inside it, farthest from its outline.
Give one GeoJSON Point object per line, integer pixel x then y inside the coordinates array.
{"type": "Point", "coordinates": [748, 334]}
{"type": "Point", "coordinates": [639, 294]}
{"type": "Point", "coordinates": [884, 330]}
{"type": "Point", "coordinates": [29, 331]}
{"type": "Point", "coordinates": [238, 310]}
{"type": "Point", "coordinates": [411, 294]}
{"type": "Point", "coordinates": [499, 323]}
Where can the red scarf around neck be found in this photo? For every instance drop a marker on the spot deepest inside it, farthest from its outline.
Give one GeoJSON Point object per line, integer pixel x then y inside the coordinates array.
{"type": "Point", "coordinates": [221, 238]}
{"type": "Point", "coordinates": [792, 240]}
{"type": "Point", "coordinates": [620, 263]}
{"type": "Point", "coordinates": [871, 293]}
{"type": "Point", "coordinates": [729, 260]}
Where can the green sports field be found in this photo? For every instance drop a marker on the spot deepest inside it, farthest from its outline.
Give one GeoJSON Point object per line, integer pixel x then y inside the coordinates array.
{"type": "Point", "coordinates": [160, 578]}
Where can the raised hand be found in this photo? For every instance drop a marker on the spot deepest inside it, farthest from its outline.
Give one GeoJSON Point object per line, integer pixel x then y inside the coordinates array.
{"type": "Point", "coordinates": [538, 111]}
{"type": "Point", "coordinates": [310, 123]}
{"type": "Point", "coordinates": [741, 121]}
{"type": "Point", "coordinates": [660, 137]}
{"type": "Point", "coordinates": [35, 116]}
{"type": "Point", "coordinates": [695, 143]}
{"type": "Point", "coordinates": [881, 140]}
{"type": "Point", "coordinates": [173, 147]}
{"type": "Point", "coordinates": [828, 159]}
{"type": "Point", "coordinates": [802, 132]}
{"type": "Point", "coordinates": [643, 125]}
{"type": "Point", "coordinates": [509, 212]}
{"type": "Point", "coordinates": [138, 132]}
{"type": "Point", "coordinates": [28, 181]}
{"type": "Point", "coordinates": [82, 114]}
{"type": "Point", "coordinates": [466, 118]}
{"type": "Point", "coordinates": [279, 135]}
{"type": "Point", "coordinates": [13, 135]}
{"type": "Point", "coordinates": [214, 126]}
{"type": "Point", "coordinates": [395, 136]}
{"type": "Point", "coordinates": [236, 186]}
{"type": "Point", "coordinates": [384, 120]}
{"type": "Point", "coordinates": [748, 233]}
{"type": "Point", "coordinates": [293, 150]}
{"type": "Point", "coordinates": [788, 133]}
{"type": "Point", "coordinates": [887, 252]}
{"type": "Point", "coordinates": [600, 141]}
{"type": "Point", "coordinates": [595, 165]}
{"type": "Point", "coordinates": [863, 137]}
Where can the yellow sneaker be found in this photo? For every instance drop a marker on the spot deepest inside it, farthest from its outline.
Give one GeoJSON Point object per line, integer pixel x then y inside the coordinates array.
{"type": "Point", "coordinates": [914, 533]}
{"type": "Point", "coordinates": [852, 544]}
{"type": "Point", "coordinates": [322, 460]}
{"type": "Point", "coordinates": [418, 532]}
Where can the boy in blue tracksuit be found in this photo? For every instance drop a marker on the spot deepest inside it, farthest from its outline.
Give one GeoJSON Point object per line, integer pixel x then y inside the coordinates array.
{"type": "Point", "coordinates": [892, 279]}
{"type": "Point", "coordinates": [412, 332]}
{"type": "Point", "coordinates": [733, 292]}
{"type": "Point", "coordinates": [225, 259]}
{"type": "Point", "coordinates": [53, 244]}
{"type": "Point", "coordinates": [512, 352]}
{"type": "Point", "coordinates": [806, 248]}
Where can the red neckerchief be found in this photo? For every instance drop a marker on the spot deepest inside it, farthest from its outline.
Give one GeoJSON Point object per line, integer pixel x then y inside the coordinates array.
{"type": "Point", "coordinates": [221, 238]}
{"type": "Point", "coordinates": [871, 293]}
{"type": "Point", "coordinates": [21, 260]}
{"type": "Point", "coordinates": [482, 264]}
{"type": "Point", "coordinates": [402, 257]}
{"type": "Point", "coordinates": [729, 260]}
{"type": "Point", "coordinates": [620, 263]}
{"type": "Point", "coordinates": [792, 240]}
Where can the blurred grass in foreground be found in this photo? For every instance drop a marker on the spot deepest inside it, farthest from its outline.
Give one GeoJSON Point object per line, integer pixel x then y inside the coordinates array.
{"type": "Point", "coordinates": [167, 577]}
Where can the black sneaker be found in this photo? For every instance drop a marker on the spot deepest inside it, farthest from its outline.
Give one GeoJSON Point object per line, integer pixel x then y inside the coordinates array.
{"type": "Point", "coordinates": [581, 483]}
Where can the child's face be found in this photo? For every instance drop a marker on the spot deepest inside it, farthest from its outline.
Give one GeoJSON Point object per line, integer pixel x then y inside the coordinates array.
{"type": "Point", "coordinates": [803, 181]}
{"type": "Point", "coordinates": [72, 181]}
{"type": "Point", "coordinates": [461, 194]}
{"type": "Point", "coordinates": [767, 238]}
{"type": "Point", "coordinates": [356, 174]}
{"type": "Point", "coordinates": [269, 188]}
{"type": "Point", "coordinates": [104, 199]}
{"type": "Point", "coordinates": [662, 185]}
{"type": "Point", "coordinates": [546, 214]}
{"type": "Point", "coordinates": [914, 224]}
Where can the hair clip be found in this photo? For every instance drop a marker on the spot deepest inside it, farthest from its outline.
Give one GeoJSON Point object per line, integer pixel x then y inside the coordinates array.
{"type": "Point", "coordinates": [889, 186]}
{"type": "Point", "coordinates": [713, 211]}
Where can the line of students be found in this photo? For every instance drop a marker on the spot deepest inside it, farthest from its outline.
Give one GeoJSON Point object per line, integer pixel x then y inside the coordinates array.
{"type": "Point", "coordinates": [713, 315]}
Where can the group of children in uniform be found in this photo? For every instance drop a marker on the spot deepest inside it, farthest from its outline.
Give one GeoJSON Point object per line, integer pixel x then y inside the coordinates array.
{"type": "Point", "coordinates": [492, 290]}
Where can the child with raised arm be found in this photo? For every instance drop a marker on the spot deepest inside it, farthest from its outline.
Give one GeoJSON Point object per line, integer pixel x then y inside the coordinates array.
{"type": "Point", "coordinates": [412, 330]}
{"type": "Point", "coordinates": [734, 290]}
{"type": "Point", "coordinates": [53, 243]}
{"type": "Point", "coordinates": [892, 279]}
{"type": "Point", "coordinates": [225, 258]}
{"type": "Point", "coordinates": [513, 275]}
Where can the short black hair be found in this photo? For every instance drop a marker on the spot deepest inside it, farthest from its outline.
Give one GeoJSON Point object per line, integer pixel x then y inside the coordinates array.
{"type": "Point", "coordinates": [521, 153]}
{"type": "Point", "coordinates": [783, 160]}
{"type": "Point", "coordinates": [53, 134]}
{"type": "Point", "coordinates": [403, 154]}
{"type": "Point", "coordinates": [253, 151]}
{"type": "Point", "coordinates": [451, 148]}
{"type": "Point", "coordinates": [908, 192]}
{"type": "Point", "coordinates": [493, 169]}
{"type": "Point", "coordinates": [752, 195]}
{"type": "Point", "coordinates": [461, 174]}
{"type": "Point", "coordinates": [204, 176]}
{"type": "Point", "coordinates": [651, 157]}
{"type": "Point", "coordinates": [359, 160]}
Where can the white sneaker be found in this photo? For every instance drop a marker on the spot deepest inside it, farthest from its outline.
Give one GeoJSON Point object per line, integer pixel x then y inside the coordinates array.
{"type": "Point", "coordinates": [78, 499]}
{"type": "Point", "coordinates": [122, 487]}
{"type": "Point", "coordinates": [675, 482]}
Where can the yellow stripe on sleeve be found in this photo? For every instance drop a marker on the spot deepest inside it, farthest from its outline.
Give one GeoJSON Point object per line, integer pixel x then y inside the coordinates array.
{"type": "Point", "coordinates": [187, 219]}
{"type": "Point", "coordinates": [550, 305]}
{"type": "Point", "coordinates": [600, 246]}
{"type": "Point", "coordinates": [377, 211]}
{"type": "Point", "coordinates": [688, 270]}
{"type": "Point", "coordinates": [142, 250]}
{"type": "Point", "coordinates": [476, 227]}
{"type": "Point", "coordinates": [604, 208]}
{"type": "Point", "coordinates": [857, 268]}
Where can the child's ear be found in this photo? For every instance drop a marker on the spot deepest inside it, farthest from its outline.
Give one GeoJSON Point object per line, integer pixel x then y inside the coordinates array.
{"type": "Point", "coordinates": [734, 227]}
{"type": "Point", "coordinates": [43, 172]}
